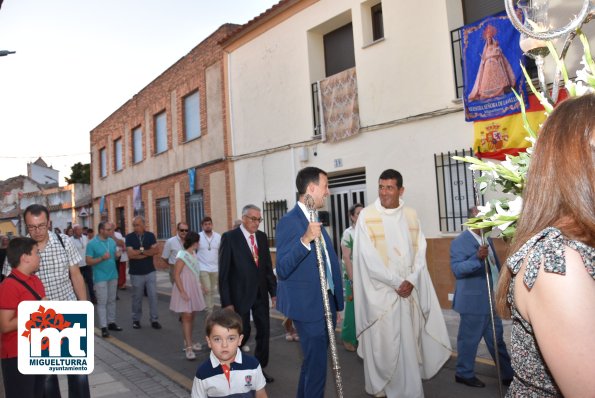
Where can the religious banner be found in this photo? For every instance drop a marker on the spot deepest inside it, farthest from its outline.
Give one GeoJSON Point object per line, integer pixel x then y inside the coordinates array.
{"type": "Point", "coordinates": [101, 205]}
{"type": "Point", "coordinates": [191, 177]}
{"type": "Point", "coordinates": [496, 138]}
{"type": "Point", "coordinates": [137, 198]}
{"type": "Point", "coordinates": [491, 68]}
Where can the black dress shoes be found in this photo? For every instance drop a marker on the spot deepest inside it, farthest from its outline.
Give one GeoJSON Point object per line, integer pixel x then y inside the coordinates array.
{"type": "Point", "coordinates": [268, 378]}
{"type": "Point", "coordinates": [155, 325]}
{"type": "Point", "coordinates": [104, 332]}
{"type": "Point", "coordinates": [135, 324]}
{"type": "Point", "coordinates": [471, 382]}
{"type": "Point", "coordinates": [114, 326]}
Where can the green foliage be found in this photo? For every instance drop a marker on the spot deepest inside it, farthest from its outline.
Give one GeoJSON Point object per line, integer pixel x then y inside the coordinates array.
{"type": "Point", "coordinates": [81, 174]}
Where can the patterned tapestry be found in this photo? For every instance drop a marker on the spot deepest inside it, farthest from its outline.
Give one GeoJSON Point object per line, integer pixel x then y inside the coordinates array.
{"type": "Point", "coordinates": [340, 109]}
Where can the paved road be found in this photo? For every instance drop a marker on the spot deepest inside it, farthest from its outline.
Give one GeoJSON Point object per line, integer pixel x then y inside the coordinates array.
{"type": "Point", "coordinates": [162, 350]}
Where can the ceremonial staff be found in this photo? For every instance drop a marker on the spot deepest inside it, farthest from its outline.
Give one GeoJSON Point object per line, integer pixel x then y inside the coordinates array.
{"type": "Point", "coordinates": [484, 241]}
{"type": "Point", "coordinates": [310, 205]}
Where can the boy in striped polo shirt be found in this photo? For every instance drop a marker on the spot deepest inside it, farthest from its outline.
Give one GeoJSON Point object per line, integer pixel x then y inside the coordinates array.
{"type": "Point", "coordinates": [228, 371]}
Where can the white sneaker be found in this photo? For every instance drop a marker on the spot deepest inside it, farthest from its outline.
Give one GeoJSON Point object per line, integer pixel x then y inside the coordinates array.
{"type": "Point", "coordinates": [190, 355]}
{"type": "Point", "coordinates": [196, 346]}
{"type": "Point", "coordinates": [245, 348]}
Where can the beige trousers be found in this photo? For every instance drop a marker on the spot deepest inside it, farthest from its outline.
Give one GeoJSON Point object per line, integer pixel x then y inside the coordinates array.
{"type": "Point", "coordinates": [209, 281]}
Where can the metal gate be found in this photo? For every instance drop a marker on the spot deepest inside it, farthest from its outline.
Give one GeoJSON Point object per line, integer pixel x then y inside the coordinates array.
{"type": "Point", "coordinates": [345, 191]}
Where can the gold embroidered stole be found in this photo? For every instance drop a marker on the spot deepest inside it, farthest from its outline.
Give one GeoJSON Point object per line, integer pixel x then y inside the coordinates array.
{"type": "Point", "coordinates": [375, 229]}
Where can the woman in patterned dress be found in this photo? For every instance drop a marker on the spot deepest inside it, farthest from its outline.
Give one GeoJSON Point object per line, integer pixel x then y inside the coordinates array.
{"type": "Point", "coordinates": [348, 332]}
{"type": "Point", "coordinates": [549, 282]}
{"type": "Point", "coordinates": [187, 296]}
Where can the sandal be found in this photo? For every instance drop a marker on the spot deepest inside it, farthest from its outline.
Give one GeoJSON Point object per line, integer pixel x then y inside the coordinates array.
{"type": "Point", "coordinates": [295, 336]}
{"type": "Point", "coordinates": [288, 336]}
{"type": "Point", "coordinates": [190, 355]}
{"type": "Point", "coordinates": [196, 347]}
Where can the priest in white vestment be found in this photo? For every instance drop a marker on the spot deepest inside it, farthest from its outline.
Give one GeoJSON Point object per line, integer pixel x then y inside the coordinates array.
{"type": "Point", "coordinates": [399, 324]}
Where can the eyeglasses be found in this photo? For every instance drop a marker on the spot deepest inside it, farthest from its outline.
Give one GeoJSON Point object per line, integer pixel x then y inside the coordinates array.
{"type": "Point", "coordinates": [40, 227]}
{"type": "Point", "coordinates": [183, 230]}
{"type": "Point", "coordinates": [255, 219]}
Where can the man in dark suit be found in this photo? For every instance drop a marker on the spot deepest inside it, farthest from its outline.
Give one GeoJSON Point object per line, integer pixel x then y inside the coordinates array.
{"type": "Point", "coordinates": [299, 291]}
{"type": "Point", "coordinates": [467, 257]}
{"type": "Point", "coordinates": [246, 279]}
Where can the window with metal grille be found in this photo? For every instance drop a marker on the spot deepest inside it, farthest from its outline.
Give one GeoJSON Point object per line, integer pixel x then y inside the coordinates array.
{"type": "Point", "coordinates": [456, 190]}
{"type": "Point", "coordinates": [272, 211]}
{"type": "Point", "coordinates": [163, 219]}
{"type": "Point", "coordinates": [195, 210]}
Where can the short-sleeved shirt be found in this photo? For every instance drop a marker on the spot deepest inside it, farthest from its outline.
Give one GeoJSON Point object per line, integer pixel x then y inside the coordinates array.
{"type": "Point", "coordinates": [11, 294]}
{"type": "Point", "coordinates": [80, 244]}
{"type": "Point", "coordinates": [245, 377]}
{"type": "Point", "coordinates": [208, 252]}
{"type": "Point", "coordinates": [171, 248]}
{"type": "Point", "coordinates": [106, 269]}
{"type": "Point", "coordinates": [145, 265]}
{"type": "Point", "coordinates": [124, 255]}
{"type": "Point", "coordinates": [54, 270]}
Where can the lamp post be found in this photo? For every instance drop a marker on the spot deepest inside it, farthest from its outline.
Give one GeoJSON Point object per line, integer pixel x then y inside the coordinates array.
{"type": "Point", "coordinates": [535, 31]}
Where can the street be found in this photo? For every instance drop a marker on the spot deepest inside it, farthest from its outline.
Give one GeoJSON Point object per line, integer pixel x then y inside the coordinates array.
{"type": "Point", "coordinates": [162, 350]}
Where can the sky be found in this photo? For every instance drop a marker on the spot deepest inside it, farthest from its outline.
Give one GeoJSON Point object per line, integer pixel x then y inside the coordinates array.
{"type": "Point", "coordinates": [77, 62]}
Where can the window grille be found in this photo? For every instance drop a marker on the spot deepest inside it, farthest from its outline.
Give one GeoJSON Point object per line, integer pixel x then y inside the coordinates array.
{"type": "Point", "coordinates": [195, 210]}
{"type": "Point", "coordinates": [163, 219]}
{"type": "Point", "coordinates": [456, 190]}
{"type": "Point", "coordinates": [273, 211]}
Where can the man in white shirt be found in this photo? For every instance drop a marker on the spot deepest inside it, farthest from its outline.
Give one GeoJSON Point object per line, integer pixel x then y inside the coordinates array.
{"type": "Point", "coordinates": [80, 241]}
{"type": "Point", "coordinates": [172, 246]}
{"type": "Point", "coordinates": [123, 262]}
{"type": "Point", "coordinates": [208, 258]}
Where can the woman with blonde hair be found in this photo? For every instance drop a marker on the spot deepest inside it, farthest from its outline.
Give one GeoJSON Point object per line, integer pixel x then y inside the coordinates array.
{"type": "Point", "coordinates": [548, 286]}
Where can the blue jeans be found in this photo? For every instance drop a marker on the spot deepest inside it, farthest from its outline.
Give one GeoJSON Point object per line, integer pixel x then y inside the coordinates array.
{"type": "Point", "coordinates": [139, 283]}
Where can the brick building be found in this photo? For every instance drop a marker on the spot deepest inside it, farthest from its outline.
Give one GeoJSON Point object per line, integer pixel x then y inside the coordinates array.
{"type": "Point", "coordinates": [163, 154]}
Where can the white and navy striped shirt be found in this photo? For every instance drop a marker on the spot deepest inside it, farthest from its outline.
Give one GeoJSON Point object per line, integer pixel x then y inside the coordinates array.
{"type": "Point", "coordinates": [245, 378]}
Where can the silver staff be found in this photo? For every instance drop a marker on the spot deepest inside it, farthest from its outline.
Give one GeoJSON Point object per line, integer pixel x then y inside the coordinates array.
{"type": "Point", "coordinates": [310, 205]}
{"type": "Point", "coordinates": [484, 241]}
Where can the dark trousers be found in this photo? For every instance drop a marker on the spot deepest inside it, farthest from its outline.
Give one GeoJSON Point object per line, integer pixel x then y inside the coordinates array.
{"type": "Point", "coordinates": [78, 387]}
{"type": "Point", "coordinates": [18, 385]}
{"type": "Point", "coordinates": [472, 329]}
{"type": "Point", "coordinates": [314, 342]}
{"type": "Point", "coordinates": [260, 314]}
{"type": "Point", "coordinates": [87, 273]}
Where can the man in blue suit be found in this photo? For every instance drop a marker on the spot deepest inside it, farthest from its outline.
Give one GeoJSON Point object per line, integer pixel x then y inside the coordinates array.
{"type": "Point", "coordinates": [467, 257]}
{"type": "Point", "coordinates": [299, 294]}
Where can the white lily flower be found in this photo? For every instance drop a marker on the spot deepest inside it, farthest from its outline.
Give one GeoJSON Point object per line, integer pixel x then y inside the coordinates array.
{"type": "Point", "coordinates": [515, 206]}
{"type": "Point", "coordinates": [483, 210]}
{"type": "Point", "coordinates": [582, 89]}
{"type": "Point", "coordinates": [509, 165]}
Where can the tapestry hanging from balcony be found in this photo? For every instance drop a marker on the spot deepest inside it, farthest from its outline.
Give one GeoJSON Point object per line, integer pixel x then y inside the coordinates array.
{"type": "Point", "coordinates": [340, 108]}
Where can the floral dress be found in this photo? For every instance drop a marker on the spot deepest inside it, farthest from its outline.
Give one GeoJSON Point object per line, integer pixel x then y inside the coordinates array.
{"type": "Point", "coordinates": [532, 376]}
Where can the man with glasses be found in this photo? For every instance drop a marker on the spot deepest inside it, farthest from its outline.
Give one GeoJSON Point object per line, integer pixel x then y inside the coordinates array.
{"type": "Point", "coordinates": [172, 246]}
{"type": "Point", "coordinates": [246, 280]}
{"type": "Point", "coordinates": [61, 277]}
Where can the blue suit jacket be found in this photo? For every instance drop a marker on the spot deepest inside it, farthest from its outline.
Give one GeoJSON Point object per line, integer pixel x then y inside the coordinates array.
{"type": "Point", "coordinates": [299, 295]}
{"type": "Point", "coordinates": [471, 295]}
